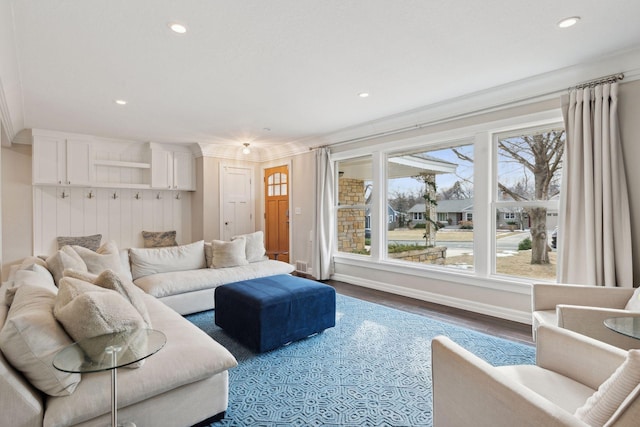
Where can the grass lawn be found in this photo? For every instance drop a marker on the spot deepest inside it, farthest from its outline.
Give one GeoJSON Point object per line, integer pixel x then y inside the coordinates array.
{"type": "Point", "coordinates": [442, 235]}
{"type": "Point", "coordinates": [517, 265]}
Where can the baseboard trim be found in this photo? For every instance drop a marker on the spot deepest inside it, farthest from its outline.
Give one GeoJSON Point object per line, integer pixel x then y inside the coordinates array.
{"type": "Point", "coordinates": [463, 304]}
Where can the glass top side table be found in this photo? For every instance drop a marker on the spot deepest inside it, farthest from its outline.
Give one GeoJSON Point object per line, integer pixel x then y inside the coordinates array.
{"type": "Point", "coordinates": [629, 326]}
{"type": "Point", "coordinates": [108, 353]}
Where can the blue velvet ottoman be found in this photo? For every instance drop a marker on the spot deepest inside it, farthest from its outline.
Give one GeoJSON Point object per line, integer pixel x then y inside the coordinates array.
{"type": "Point", "coordinates": [268, 312]}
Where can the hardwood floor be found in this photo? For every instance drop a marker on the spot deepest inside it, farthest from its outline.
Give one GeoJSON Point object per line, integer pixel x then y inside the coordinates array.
{"type": "Point", "coordinates": [491, 325]}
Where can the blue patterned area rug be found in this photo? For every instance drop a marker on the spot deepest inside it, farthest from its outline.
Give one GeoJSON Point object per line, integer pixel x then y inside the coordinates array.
{"type": "Point", "coordinates": [372, 369]}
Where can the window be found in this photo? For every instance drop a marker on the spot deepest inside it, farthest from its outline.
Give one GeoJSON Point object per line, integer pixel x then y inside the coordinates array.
{"type": "Point", "coordinates": [526, 200]}
{"type": "Point", "coordinates": [353, 213]}
{"type": "Point", "coordinates": [475, 201]}
{"type": "Point", "coordinates": [432, 192]}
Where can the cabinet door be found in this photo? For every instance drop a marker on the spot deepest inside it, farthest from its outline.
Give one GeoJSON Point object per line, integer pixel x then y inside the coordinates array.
{"type": "Point", "coordinates": [49, 161]}
{"type": "Point", "coordinates": [183, 171]}
{"type": "Point", "coordinates": [161, 169]}
{"type": "Point", "coordinates": [79, 170]}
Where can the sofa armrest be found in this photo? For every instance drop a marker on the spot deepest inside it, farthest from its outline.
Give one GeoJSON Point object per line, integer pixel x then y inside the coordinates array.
{"type": "Point", "coordinates": [547, 296]}
{"type": "Point", "coordinates": [589, 321]}
{"type": "Point", "coordinates": [467, 391]}
{"type": "Point", "coordinates": [579, 357]}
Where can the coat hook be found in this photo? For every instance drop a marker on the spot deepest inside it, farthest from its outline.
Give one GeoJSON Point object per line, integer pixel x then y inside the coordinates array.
{"type": "Point", "coordinates": [90, 195]}
{"type": "Point", "coordinates": [158, 196]}
{"type": "Point", "coordinates": [64, 195]}
{"type": "Point", "coordinates": [178, 196]}
{"type": "Point", "coordinates": [115, 195]}
{"type": "Point", "coordinates": [137, 196]}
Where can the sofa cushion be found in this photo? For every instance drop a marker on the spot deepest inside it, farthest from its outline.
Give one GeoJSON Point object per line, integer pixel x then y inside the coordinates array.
{"type": "Point", "coordinates": [254, 248]}
{"type": "Point", "coordinates": [179, 282]}
{"type": "Point", "coordinates": [161, 260]}
{"type": "Point", "coordinates": [229, 254]}
{"type": "Point", "coordinates": [31, 337]}
{"type": "Point", "coordinates": [601, 406]}
{"type": "Point", "coordinates": [65, 258]}
{"type": "Point", "coordinates": [87, 311]}
{"type": "Point", "coordinates": [90, 242]}
{"type": "Point", "coordinates": [35, 275]}
{"type": "Point", "coordinates": [159, 239]}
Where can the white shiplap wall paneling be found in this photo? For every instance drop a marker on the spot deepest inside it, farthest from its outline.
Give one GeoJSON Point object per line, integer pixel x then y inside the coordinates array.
{"type": "Point", "coordinates": [121, 219]}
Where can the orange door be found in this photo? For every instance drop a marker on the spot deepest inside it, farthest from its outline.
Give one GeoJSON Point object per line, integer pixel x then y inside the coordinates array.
{"type": "Point", "coordinates": [276, 190]}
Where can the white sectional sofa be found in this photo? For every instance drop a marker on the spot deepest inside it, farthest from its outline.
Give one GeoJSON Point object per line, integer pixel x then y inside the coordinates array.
{"type": "Point", "coordinates": [183, 384]}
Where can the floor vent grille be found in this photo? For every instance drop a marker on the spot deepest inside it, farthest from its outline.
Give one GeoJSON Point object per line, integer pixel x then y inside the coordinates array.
{"type": "Point", "coordinates": [301, 266]}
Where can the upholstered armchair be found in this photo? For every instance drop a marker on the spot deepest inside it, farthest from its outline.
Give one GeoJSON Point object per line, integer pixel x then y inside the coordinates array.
{"type": "Point", "coordinates": [559, 390]}
{"type": "Point", "coordinates": [583, 309]}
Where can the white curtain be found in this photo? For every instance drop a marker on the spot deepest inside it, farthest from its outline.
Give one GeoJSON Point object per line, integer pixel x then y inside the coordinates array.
{"type": "Point", "coordinates": [595, 231]}
{"type": "Point", "coordinates": [323, 241]}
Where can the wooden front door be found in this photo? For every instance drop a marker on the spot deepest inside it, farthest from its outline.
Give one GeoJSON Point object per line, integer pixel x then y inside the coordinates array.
{"type": "Point", "coordinates": [276, 190]}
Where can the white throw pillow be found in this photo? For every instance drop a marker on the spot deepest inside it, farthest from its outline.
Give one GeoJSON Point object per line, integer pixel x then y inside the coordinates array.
{"type": "Point", "coordinates": [31, 337]}
{"type": "Point", "coordinates": [145, 262]}
{"type": "Point", "coordinates": [229, 254]}
{"type": "Point", "coordinates": [634, 301]}
{"type": "Point", "coordinates": [601, 406]}
{"type": "Point", "coordinates": [89, 311]}
{"type": "Point", "coordinates": [255, 245]}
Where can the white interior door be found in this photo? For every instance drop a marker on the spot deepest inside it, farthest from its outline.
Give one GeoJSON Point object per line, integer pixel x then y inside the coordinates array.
{"type": "Point", "coordinates": [237, 201]}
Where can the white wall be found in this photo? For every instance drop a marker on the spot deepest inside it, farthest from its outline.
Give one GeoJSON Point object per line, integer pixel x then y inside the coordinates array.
{"type": "Point", "coordinates": [17, 206]}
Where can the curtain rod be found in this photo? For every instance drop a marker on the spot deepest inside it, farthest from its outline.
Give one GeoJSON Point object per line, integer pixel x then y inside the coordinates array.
{"type": "Point", "coordinates": [447, 119]}
{"type": "Point", "coordinates": [592, 83]}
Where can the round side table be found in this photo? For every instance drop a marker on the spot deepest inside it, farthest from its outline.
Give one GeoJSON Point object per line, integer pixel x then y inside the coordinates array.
{"type": "Point", "coordinates": [108, 353]}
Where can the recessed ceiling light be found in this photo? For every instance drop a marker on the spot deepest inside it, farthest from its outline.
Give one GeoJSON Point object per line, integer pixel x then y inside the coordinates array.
{"type": "Point", "coordinates": [568, 22]}
{"type": "Point", "coordinates": [177, 28]}
{"type": "Point", "coordinates": [363, 94]}
{"type": "Point", "coordinates": [121, 102]}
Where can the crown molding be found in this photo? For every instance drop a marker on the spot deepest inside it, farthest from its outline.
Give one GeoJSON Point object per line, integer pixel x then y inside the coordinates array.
{"type": "Point", "coordinates": [534, 89]}
{"type": "Point", "coordinates": [258, 154]}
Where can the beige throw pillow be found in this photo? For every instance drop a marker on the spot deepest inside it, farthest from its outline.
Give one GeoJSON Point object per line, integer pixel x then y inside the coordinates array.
{"type": "Point", "coordinates": [31, 337]}
{"type": "Point", "coordinates": [229, 254]}
{"type": "Point", "coordinates": [254, 248]}
{"type": "Point", "coordinates": [106, 257]}
{"type": "Point", "coordinates": [89, 312]}
{"type": "Point", "coordinates": [118, 282]}
{"type": "Point", "coordinates": [65, 258]}
{"type": "Point", "coordinates": [601, 406]}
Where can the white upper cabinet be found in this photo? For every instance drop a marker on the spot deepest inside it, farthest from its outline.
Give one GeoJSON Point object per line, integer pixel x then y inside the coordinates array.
{"type": "Point", "coordinates": [172, 169]}
{"type": "Point", "coordinates": [62, 161]}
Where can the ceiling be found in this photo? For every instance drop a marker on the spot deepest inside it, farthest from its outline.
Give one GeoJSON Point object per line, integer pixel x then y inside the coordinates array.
{"type": "Point", "coordinates": [286, 71]}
